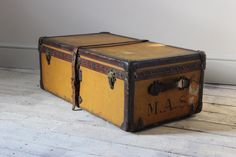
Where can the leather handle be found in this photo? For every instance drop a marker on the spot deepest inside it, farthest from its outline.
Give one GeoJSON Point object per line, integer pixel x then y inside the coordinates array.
{"type": "Point", "coordinates": [156, 87]}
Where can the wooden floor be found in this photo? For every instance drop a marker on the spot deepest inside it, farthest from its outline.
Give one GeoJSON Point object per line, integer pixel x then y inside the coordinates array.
{"type": "Point", "coordinates": [36, 123]}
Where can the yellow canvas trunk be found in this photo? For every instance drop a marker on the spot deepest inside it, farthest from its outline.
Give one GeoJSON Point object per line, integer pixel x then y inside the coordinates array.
{"type": "Point", "coordinates": [131, 83]}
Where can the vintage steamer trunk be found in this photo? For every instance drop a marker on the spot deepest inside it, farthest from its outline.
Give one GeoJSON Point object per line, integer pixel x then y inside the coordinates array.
{"type": "Point", "coordinates": [131, 83]}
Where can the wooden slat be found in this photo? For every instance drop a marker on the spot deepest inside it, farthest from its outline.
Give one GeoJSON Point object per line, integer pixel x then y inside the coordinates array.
{"type": "Point", "coordinates": [206, 127]}
{"type": "Point", "coordinates": [216, 118]}
{"type": "Point", "coordinates": [220, 109]}
{"type": "Point", "coordinates": [7, 152]}
{"type": "Point", "coordinates": [219, 91]}
{"type": "Point", "coordinates": [221, 86]}
{"type": "Point", "coordinates": [221, 100]}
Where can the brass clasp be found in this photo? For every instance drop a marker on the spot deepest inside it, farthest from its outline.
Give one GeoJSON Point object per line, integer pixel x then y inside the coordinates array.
{"type": "Point", "coordinates": [111, 78]}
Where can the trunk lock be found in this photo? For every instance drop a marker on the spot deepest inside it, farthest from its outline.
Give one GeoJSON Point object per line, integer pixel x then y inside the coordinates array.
{"type": "Point", "coordinates": [111, 78]}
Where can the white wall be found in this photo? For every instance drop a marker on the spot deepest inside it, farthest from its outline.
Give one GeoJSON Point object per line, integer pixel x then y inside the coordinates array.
{"type": "Point", "coordinates": [207, 25]}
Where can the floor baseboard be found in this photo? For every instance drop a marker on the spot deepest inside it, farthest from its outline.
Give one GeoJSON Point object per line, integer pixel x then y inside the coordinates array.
{"type": "Point", "coordinates": [19, 58]}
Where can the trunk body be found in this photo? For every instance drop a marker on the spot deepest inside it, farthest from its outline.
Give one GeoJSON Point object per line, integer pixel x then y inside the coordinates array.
{"type": "Point", "coordinates": [131, 83]}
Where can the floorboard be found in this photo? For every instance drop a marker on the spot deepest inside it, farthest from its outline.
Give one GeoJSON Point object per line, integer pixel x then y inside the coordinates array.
{"type": "Point", "coordinates": [34, 123]}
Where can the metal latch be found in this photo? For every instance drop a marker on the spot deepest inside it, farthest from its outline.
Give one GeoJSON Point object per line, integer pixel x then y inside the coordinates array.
{"type": "Point", "coordinates": [111, 78]}
{"type": "Point", "coordinates": [183, 83]}
{"type": "Point", "coordinates": [48, 56]}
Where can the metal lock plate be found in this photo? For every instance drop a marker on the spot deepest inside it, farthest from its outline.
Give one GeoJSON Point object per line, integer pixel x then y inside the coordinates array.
{"type": "Point", "coordinates": [111, 78]}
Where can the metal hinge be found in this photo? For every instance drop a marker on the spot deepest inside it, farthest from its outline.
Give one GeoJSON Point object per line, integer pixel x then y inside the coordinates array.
{"type": "Point", "coordinates": [48, 56]}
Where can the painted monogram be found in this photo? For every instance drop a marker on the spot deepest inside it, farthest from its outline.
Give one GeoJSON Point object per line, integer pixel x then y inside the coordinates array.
{"type": "Point", "coordinates": [154, 108]}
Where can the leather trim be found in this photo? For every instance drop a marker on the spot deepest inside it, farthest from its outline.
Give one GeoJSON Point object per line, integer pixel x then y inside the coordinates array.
{"type": "Point", "coordinates": [203, 63]}
{"type": "Point", "coordinates": [101, 68]}
{"type": "Point", "coordinates": [168, 70]}
{"type": "Point", "coordinates": [58, 54]}
{"type": "Point", "coordinates": [165, 61]}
